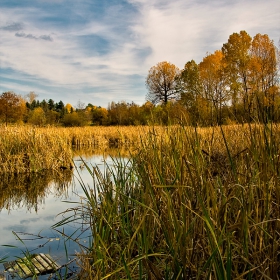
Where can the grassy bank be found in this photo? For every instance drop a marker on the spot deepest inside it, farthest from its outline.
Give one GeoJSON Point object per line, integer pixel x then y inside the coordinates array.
{"type": "Point", "coordinates": [190, 204]}
{"type": "Point", "coordinates": [29, 149]}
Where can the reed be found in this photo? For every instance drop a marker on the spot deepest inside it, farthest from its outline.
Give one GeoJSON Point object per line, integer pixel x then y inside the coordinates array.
{"type": "Point", "coordinates": [27, 149]}
{"type": "Point", "coordinates": [32, 149]}
{"type": "Point", "coordinates": [190, 204]}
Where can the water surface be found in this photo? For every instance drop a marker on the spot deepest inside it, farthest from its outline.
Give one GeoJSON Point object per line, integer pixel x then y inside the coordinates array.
{"type": "Point", "coordinates": [30, 204]}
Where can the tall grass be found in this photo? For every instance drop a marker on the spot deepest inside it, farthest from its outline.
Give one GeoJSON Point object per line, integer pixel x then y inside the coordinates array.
{"type": "Point", "coordinates": [191, 204]}
{"type": "Point", "coordinates": [32, 149]}
{"type": "Point", "coordinates": [27, 149]}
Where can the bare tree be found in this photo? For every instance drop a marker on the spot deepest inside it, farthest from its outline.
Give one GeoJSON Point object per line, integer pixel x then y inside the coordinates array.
{"type": "Point", "coordinates": [31, 96]}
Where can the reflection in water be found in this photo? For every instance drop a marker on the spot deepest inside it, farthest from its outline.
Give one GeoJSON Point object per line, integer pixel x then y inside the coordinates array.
{"type": "Point", "coordinates": [30, 204]}
{"type": "Point", "coordinates": [29, 190]}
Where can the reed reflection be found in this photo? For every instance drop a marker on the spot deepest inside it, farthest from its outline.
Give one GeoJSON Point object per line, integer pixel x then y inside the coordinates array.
{"type": "Point", "coordinates": [30, 190]}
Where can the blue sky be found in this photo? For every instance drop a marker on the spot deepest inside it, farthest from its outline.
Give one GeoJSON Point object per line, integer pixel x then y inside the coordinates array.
{"type": "Point", "coordinates": [98, 51]}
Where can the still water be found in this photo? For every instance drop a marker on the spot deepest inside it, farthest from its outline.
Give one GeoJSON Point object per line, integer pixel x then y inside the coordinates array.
{"type": "Point", "coordinates": [29, 207]}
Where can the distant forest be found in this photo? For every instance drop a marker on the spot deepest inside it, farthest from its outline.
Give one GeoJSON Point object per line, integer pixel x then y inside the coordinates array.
{"type": "Point", "coordinates": [238, 83]}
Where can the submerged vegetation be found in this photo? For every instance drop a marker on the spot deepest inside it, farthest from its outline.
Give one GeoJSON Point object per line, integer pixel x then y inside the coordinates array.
{"type": "Point", "coordinates": [190, 204]}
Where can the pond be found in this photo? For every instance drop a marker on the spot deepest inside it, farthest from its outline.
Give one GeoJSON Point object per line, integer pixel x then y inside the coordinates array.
{"type": "Point", "coordinates": [29, 207]}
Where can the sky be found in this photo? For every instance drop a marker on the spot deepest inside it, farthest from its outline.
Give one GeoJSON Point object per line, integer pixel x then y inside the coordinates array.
{"type": "Point", "coordinates": [98, 51]}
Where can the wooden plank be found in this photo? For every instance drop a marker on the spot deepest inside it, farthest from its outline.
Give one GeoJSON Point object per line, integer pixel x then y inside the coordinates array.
{"type": "Point", "coordinates": [49, 259]}
{"type": "Point", "coordinates": [22, 273]}
{"type": "Point", "coordinates": [27, 267]}
{"type": "Point", "coordinates": [42, 264]}
{"type": "Point", "coordinates": [36, 264]}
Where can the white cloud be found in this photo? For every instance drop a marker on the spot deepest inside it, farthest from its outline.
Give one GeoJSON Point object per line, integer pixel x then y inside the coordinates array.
{"type": "Point", "coordinates": [176, 31]}
{"type": "Point", "coordinates": [182, 30]}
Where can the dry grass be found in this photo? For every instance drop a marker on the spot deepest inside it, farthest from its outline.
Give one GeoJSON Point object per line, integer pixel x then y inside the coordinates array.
{"type": "Point", "coordinates": [28, 149]}
{"type": "Point", "coordinates": [191, 204]}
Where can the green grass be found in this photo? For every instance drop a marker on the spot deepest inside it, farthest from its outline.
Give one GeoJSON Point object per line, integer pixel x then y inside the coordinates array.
{"type": "Point", "coordinates": [189, 204]}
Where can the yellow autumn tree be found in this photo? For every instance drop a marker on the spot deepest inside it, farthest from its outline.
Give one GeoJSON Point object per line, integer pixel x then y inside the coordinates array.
{"type": "Point", "coordinates": [37, 117]}
{"type": "Point", "coordinates": [69, 108]}
{"type": "Point", "coordinates": [161, 82]}
{"type": "Point", "coordinates": [213, 79]}
{"type": "Point", "coordinates": [263, 78]}
{"type": "Point", "coordinates": [12, 107]}
{"type": "Point", "coordinates": [237, 58]}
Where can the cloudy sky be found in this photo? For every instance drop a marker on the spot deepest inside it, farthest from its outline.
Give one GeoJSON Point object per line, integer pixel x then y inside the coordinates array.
{"type": "Point", "coordinates": [98, 51]}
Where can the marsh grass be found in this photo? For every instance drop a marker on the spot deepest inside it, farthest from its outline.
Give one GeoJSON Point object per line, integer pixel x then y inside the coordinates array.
{"type": "Point", "coordinates": [33, 149]}
{"type": "Point", "coordinates": [190, 204]}
{"type": "Point", "coordinates": [27, 149]}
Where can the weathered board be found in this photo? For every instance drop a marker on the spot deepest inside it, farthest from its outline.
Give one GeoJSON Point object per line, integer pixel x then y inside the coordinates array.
{"type": "Point", "coordinates": [34, 265]}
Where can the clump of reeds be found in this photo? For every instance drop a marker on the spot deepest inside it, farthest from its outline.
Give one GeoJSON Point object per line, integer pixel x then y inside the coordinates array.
{"type": "Point", "coordinates": [30, 149]}
{"type": "Point", "coordinates": [103, 137]}
{"type": "Point", "coordinates": [27, 149]}
{"type": "Point", "coordinates": [191, 204]}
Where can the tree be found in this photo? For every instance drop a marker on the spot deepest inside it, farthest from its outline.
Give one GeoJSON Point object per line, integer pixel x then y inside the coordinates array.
{"type": "Point", "coordinates": [37, 117]}
{"type": "Point", "coordinates": [99, 115]}
{"type": "Point", "coordinates": [80, 105]}
{"type": "Point", "coordinates": [51, 104]}
{"type": "Point", "coordinates": [162, 82]}
{"type": "Point", "coordinates": [52, 117]}
{"type": "Point", "coordinates": [146, 113]}
{"type": "Point", "coordinates": [72, 119]}
{"type": "Point", "coordinates": [69, 108]}
{"type": "Point", "coordinates": [118, 113]}
{"type": "Point", "coordinates": [191, 90]}
{"type": "Point", "coordinates": [59, 107]}
{"type": "Point", "coordinates": [12, 107]}
{"type": "Point", "coordinates": [31, 96]}
{"type": "Point", "coordinates": [44, 105]}
{"type": "Point", "coordinates": [237, 57]}
{"type": "Point", "coordinates": [264, 76]}
{"type": "Point", "coordinates": [214, 82]}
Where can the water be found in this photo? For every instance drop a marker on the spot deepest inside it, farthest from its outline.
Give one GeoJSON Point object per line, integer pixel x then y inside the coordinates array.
{"type": "Point", "coordinates": [30, 207]}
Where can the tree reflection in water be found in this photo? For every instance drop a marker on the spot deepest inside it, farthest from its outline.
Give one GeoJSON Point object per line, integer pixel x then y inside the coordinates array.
{"type": "Point", "coordinates": [29, 190]}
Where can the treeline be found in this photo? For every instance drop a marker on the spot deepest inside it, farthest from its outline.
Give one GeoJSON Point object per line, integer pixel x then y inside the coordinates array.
{"type": "Point", "coordinates": [16, 109]}
{"type": "Point", "coordinates": [238, 83]}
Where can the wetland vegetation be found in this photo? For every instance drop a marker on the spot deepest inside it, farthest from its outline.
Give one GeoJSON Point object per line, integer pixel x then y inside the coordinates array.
{"type": "Point", "coordinates": [189, 204]}
{"type": "Point", "coordinates": [198, 194]}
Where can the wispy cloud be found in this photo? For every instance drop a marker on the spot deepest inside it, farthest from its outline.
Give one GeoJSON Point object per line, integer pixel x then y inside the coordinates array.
{"type": "Point", "coordinates": [46, 38]}
{"type": "Point", "coordinates": [13, 26]}
{"type": "Point", "coordinates": [102, 51]}
{"type": "Point", "coordinates": [30, 36]}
